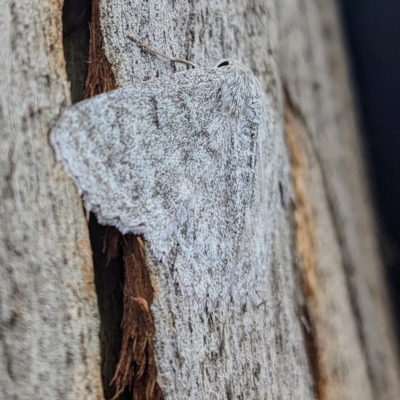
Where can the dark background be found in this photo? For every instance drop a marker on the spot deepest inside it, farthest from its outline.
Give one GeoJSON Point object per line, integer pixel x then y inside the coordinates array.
{"type": "Point", "coordinates": [372, 30]}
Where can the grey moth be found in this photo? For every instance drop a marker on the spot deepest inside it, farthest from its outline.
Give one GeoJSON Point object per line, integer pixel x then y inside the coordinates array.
{"type": "Point", "coordinates": [174, 159]}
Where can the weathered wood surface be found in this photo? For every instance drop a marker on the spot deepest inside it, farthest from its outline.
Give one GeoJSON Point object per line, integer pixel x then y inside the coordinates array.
{"type": "Point", "coordinates": [49, 344]}
{"type": "Point", "coordinates": [323, 330]}
{"type": "Point", "coordinates": [348, 304]}
{"type": "Point", "coordinates": [233, 353]}
{"type": "Point", "coordinates": [295, 49]}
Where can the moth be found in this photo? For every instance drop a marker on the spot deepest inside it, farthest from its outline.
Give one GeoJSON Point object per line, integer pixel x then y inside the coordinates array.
{"type": "Point", "coordinates": [173, 159]}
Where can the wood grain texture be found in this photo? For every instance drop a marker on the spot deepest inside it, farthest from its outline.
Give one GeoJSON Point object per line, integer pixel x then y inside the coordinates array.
{"type": "Point", "coordinates": [298, 46]}
{"type": "Point", "coordinates": [252, 353]}
{"type": "Point", "coordinates": [49, 345]}
{"type": "Point", "coordinates": [329, 337]}
{"type": "Point", "coordinates": [349, 309]}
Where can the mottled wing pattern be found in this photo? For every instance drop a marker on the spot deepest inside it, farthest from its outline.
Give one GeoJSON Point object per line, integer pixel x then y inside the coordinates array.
{"type": "Point", "coordinates": [173, 159]}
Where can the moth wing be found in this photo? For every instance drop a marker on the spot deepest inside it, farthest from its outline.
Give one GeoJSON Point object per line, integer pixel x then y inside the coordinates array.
{"type": "Point", "coordinates": [173, 159]}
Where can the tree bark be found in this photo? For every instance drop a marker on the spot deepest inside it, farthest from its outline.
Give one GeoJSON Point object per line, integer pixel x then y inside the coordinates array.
{"type": "Point", "coordinates": [49, 316]}
{"type": "Point", "coordinates": [324, 328]}
{"type": "Point", "coordinates": [300, 59]}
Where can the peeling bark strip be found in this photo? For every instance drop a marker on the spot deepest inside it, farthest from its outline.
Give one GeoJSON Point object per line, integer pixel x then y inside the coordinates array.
{"type": "Point", "coordinates": [136, 368]}
{"type": "Point", "coordinates": [339, 366]}
{"type": "Point", "coordinates": [100, 78]}
{"type": "Point", "coordinates": [306, 246]}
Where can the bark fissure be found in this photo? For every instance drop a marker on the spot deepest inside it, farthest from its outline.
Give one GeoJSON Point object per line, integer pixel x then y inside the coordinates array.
{"type": "Point", "coordinates": [338, 230]}
{"type": "Point", "coordinates": [100, 77]}
{"type": "Point", "coordinates": [306, 244]}
{"type": "Point", "coordinates": [135, 374]}
{"type": "Point", "coordinates": [136, 367]}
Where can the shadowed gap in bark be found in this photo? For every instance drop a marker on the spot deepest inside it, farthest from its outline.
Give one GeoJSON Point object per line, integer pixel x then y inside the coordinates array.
{"type": "Point", "coordinates": [122, 281]}
{"type": "Point", "coordinates": [109, 274]}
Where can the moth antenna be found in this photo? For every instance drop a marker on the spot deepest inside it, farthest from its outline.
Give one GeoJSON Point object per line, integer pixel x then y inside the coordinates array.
{"type": "Point", "coordinates": [154, 51]}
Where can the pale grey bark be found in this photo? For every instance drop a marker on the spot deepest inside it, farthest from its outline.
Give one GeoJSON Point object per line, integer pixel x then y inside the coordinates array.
{"type": "Point", "coordinates": [294, 46]}
{"type": "Point", "coordinates": [49, 345]}
{"type": "Point", "coordinates": [49, 323]}
{"type": "Point", "coordinates": [257, 353]}
{"type": "Point", "coordinates": [351, 312]}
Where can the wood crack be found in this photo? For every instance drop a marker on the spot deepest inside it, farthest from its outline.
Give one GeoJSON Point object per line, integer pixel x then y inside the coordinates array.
{"type": "Point", "coordinates": [136, 371]}
{"type": "Point", "coordinates": [295, 112]}
{"type": "Point", "coordinates": [307, 248]}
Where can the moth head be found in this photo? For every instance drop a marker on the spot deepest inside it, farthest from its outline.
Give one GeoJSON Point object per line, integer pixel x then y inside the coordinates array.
{"type": "Point", "coordinates": [227, 62]}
